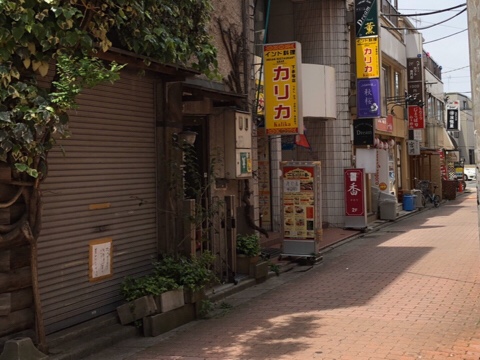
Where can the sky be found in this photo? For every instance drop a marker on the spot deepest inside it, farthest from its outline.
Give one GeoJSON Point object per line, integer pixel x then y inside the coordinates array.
{"type": "Point", "coordinates": [451, 52]}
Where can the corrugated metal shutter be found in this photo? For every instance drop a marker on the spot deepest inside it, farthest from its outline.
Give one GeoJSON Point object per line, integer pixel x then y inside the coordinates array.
{"type": "Point", "coordinates": [110, 158]}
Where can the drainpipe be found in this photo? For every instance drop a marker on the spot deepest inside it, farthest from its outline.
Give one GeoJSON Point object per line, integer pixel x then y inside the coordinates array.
{"type": "Point", "coordinates": [246, 51]}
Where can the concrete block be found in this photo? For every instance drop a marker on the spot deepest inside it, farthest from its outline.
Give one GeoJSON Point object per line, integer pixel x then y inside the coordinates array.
{"type": "Point", "coordinates": [192, 297]}
{"type": "Point", "coordinates": [170, 300]}
{"type": "Point", "coordinates": [21, 349]}
{"type": "Point", "coordinates": [137, 309]}
{"type": "Point", "coordinates": [158, 324]}
{"type": "Point", "coordinates": [261, 271]}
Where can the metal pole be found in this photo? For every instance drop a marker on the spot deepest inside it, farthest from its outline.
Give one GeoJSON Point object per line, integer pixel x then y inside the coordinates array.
{"type": "Point", "coordinates": [473, 12]}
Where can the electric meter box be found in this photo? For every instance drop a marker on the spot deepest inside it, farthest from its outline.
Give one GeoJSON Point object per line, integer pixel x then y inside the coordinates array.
{"type": "Point", "coordinates": [238, 145]}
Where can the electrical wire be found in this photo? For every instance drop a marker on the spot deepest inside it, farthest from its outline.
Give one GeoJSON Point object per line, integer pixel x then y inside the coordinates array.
{"type": "Point", "coordinates": [426, 27]}
{"type": "Point", "coordinates": [459, 32]}
{"type": "Point", "coordinates": [430, 13]}
{"type": "Point", "coordinates": [446, 72]}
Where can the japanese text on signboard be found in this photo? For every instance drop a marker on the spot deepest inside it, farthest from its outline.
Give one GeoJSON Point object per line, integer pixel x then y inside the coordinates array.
{"type": "Point", "coordinates": [415, 118]}
{"type": "Point", "coordinates": [282, 97]}
{"type": "Point", "coordinates": [299, 202]}
{"type": "Point", "coordinates": [354, 196]}
{"type": "Point", "coordinates": [367, 58]}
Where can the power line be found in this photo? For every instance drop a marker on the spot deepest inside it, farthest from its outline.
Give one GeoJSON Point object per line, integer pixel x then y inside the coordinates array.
{"type": "Point", "coordinates": [445, 72]}
{"type": "Point", "coordinates": [426, 27]}
{"type": "Point", "coordinates": [430, 13]}
{"type": "Point", "coordinates": [428, 42]}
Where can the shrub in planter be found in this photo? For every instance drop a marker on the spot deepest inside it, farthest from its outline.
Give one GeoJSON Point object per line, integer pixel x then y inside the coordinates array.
{"type": "Point", "coordinates": [248, 250]}
{"type": "Point", "coordinates": [248, 245]}
{"type": "Point", "coordinates": [140, 293]}
{"type": "Point", "coordinates": [134, 288]}
{"type": "Point", "coordinates": [193, 274]}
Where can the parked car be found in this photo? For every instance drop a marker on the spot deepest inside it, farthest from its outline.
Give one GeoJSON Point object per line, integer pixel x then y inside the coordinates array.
{"type": "Point", "coordinates": [469, 172]}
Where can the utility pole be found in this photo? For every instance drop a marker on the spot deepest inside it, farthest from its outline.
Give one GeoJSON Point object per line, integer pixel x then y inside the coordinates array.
{"type": "Point", "coordinates": [473, 8]}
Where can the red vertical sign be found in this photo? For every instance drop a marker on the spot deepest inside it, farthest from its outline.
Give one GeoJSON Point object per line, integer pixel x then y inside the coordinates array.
{"type": "Point", "coordinates": [415, 118]}
{"type": "Point", "coordinates": [443, 165]}
{"type": "Point", "coordinates": [354, 192]}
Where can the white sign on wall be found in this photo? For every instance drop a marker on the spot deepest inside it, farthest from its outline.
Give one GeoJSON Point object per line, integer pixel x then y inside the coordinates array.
{"type": "Point", "coordinates": [413, 147]}
{"type": "Point", "coordinates": [366, 159]}
{"type": "Point", "coordinates": [417, 135]}
{"type": "Point", "coordinates": [100, 259]}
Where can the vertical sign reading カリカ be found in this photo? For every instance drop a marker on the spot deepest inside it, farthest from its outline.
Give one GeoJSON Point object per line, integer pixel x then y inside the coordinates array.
{"type": "Point", "coordinates": [282, 88]}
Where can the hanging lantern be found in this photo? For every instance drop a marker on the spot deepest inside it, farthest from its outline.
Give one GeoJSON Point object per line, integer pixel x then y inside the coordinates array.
{"type": "Point", "coordinates": [376, 142]}
{"type": "Point", "coordinates": [391, 143]}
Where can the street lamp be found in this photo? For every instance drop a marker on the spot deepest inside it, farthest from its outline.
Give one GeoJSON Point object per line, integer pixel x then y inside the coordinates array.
{"type": "Point", "coordinates": [187, 137]}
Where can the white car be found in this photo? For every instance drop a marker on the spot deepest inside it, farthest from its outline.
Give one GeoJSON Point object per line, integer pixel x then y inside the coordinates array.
{"type": "Point", "coordinates": [469, 172]}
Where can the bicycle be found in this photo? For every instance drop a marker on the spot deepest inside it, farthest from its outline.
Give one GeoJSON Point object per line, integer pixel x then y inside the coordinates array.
{"type": "Point", "coordinates": [427, 194]}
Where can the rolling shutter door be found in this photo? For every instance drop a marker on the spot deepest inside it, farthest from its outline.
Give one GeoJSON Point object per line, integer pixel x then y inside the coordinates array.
{"type": "Point", "coordinates": [109, 162]}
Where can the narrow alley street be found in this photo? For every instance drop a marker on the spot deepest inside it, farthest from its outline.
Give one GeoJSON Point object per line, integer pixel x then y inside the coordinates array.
{"type": "Point", "coordinates": [408, 291]}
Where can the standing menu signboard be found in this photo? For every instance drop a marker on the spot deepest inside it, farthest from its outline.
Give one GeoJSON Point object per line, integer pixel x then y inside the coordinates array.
{"type": "Point", "coordinates": [355, 198]}
{"type": "Point", "coordinates": [302, 208]}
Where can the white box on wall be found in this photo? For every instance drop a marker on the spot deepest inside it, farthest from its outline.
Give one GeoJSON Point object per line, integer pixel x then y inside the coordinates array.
{"type": "Point", "coordinates": [319, 91]}
{"type": "Point", "coordinates": [239, 125]}
{"type": "Point", "coordinates": [238, 145]}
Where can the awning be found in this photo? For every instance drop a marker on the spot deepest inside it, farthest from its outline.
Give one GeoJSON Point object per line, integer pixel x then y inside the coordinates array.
{"type": "Point", "coordinates": [445, 141]}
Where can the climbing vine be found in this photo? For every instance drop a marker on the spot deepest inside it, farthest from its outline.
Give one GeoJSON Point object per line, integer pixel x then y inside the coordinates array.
{"type": "Point", "coordinates": [49, 52]}
{"type": "Point", "coordinates": [64, 37]}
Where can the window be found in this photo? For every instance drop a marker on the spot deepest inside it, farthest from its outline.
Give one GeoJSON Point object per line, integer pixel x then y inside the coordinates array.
{"type": "Point", "coordinates": [431, 107]}
{"type": "Point", "coordinates": [441, 112]}
{"type": "Point", "coordinates": [386, 91]}
{"type": "Point", "coordinates": [396, 84]}
{"type": "Point", "coordinates": [387, 81]}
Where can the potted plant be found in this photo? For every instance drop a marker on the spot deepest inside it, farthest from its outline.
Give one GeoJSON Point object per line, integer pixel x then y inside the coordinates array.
{"type": "Point", "coordinates": [193, 274]}
{"type": "Point", "coordinates": [248, 252]}
{"type": "Point", "coordinates": [142, 295]}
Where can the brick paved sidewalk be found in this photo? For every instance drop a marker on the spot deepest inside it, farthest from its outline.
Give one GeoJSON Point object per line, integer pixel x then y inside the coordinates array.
{"type": "Point", "coordinates": [409, 291]}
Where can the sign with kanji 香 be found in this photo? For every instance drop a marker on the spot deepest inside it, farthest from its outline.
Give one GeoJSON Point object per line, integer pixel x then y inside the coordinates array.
{"type": "Point", "coordinates": [354, 192]}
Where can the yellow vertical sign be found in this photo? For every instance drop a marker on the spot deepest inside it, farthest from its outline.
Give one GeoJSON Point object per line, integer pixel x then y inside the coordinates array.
{"type": "Point", "coordinates": [282, 88]}
{"type": "Point", "coordinates": [368, 58]}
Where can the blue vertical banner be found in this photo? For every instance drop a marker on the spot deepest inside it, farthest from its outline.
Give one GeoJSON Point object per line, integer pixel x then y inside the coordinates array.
{"type": "Point", "coordinates": [368, 98]}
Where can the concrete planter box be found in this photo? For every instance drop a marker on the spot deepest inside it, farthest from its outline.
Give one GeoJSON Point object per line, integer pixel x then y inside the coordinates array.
{"type": "Point", "coordinates": [261, 270]}
{"type": "Point", "coordinates": [170, 300]}
{"type": "Point", "coordinates": [245, 264]}
{"type": "Point", "coordinates": [191, 296]}
{"type": "Point", "coordinates": [136, 309]}
{"type": "Point", "coordinates": [158, 324]}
